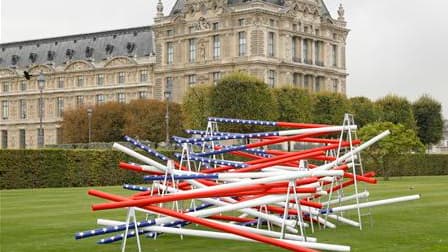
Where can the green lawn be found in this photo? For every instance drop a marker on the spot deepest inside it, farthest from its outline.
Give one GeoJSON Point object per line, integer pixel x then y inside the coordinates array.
{"type": "Point", "coordinates": [47, 219]}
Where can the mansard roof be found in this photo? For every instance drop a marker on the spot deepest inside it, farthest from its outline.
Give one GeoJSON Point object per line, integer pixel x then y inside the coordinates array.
{"type": "Point", "coordinates": [137, 41]}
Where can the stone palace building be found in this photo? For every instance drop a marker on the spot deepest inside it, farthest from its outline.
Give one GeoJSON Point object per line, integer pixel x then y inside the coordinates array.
{"type": "Point", "coordinates": [284, 42]}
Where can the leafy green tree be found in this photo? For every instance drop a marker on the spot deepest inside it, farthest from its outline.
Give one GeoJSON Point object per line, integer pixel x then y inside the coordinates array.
{"type": "Point", "coordinates": [397, 110]}
{"type": "Point", "coordinates": [294, 105]}
{"type": "Point", "coordinates": [428, 115]}
{"type": "Point", "coordinates": [364, 110]}
{"type": "Point", "coordinates": [197, 106]}
{"type": "Point", "coordinates": [239, 95]}
{"type": "Point", "coordinates": [329, 108]}
{"type": "Point", "coordinates": [145, 119]}
{"type": "Point", "coordinates": [384, 154]}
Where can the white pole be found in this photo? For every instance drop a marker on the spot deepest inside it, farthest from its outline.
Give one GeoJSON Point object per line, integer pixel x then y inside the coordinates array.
{"type": "Point", "coordinates": [376, 203]}
{"type": "Point", "coordinates": [218, 235]}
{"type": "Point", "coordinates": [105, 222]}
{"type": "Point", "coordinates": [362, 195]}
{"type": "Point", "coordinates": [353, 152]}
{"type": "Point", "coordinates": [315, 130]}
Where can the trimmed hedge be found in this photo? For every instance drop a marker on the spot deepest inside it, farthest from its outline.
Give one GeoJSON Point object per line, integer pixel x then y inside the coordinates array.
{"type": "Point", "coordinates": [78, 168]}
{"type": "Point", "coordinates": [414, 165]}
{"type": "Point", "coordinates": [63, 168]}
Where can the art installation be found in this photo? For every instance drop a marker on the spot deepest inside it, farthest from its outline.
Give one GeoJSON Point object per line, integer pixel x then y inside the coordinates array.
{"type": "Point", "coordinates": [246, 187]}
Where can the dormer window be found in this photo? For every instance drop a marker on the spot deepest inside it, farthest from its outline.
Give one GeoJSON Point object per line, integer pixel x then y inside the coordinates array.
{"type": "Point", "coordinates": [109, 49]}
{"type": "Point", "coordinates": [33, 57]}
{"type": "Point", "coordinates": [89, 52]}
{"type": "Point", "coordinates": [69, 53]}
{"type": "Point", "coordinates": [50, 55]}
{"type": "Point", "coordinates": [14, 59]}
{"type": "Point", "coordinates": [130, 46]}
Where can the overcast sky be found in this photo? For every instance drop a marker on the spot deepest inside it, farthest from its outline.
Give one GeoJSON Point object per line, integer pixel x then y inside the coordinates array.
{"type": "Point", "coordinates": [395, 46]}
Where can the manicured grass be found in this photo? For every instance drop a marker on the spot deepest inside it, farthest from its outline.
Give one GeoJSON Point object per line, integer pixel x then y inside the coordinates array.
{"type": "Point", "coordinates": [47, 219]}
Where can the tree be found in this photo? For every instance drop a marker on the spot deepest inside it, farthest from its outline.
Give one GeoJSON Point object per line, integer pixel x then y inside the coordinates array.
{"type": "Point", "coordinates": [294, 105]}
{"type": "Point", "coordinates": [75, 126]}
{"type": "Point", "coordinates": [106, 124]}
{"type": "Point", "coordinates": [384, 153]}
{"type": "Point", "coordinates": [397, 110]}
{"type": "Point", "coordinates": [242, 96]}
{"type": "Point", "coordinates": [329, 108]}
{"type": "Point", "coordinates": [197, 106]}
{"type": "Point", "coordinates": [364, 110]}
{"type": "Point", "coordinates": [145, 119]}
{"type": "Point", "coordinates": [428, 116]}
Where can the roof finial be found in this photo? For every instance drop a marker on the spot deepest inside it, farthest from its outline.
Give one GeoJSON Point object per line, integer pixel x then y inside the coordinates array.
{"type": "Point", "coordinates": [341, 13]}
{"type": "Point", "coordinates": [160, 9]}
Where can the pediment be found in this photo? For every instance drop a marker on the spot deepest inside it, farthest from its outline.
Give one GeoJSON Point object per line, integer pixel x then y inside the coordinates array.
{"type": "Point", "coordinates": [40, 68]}
{"type": "Point", "coordinates": [79, 65]}
{"type": "Point", "coordinates": [7, 72]}
{"type": "Point", "coordinates": [120, 61]}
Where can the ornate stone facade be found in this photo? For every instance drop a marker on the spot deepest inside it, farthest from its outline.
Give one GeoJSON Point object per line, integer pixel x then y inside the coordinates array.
{"type": "Point", "coordinates": [284, 42]}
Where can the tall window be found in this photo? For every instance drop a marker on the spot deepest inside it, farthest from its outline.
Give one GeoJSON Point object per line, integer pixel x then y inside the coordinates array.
{"type": "Point", "coordinates": [334, 55]}
{"type": "Point", "coordinates": [216, 47]}
{"type": "Point", "coordinates": [295, 49]}
{"type": "Point", "coordinates": [192, 50]}
{"type": "Point", "coordinates": [271, 78]}
{"type": "Point", "coordinates": [318, 53]}
{"type": "Point", "coordinates": [242, 43]}
{"type": "Point", "coordinates": [4, 139]}
{"type": "Point", "coordinates": [121, 97]}
{"type": "Point", "coordinates": [100, 99]}
{"type": "Point", "coordinates": [5, 110]}
{"type": "Point", "coordinates": [335, 85]}
{"type": "Point", "coordinates": [121, 77]}
{"type": "Point", "coordinates": [169, 82]}
{"type": "Point", "coordinates": [307, 81]}
{"type": "Point", "coordinates": [143, 76]}
{"type": "Point", "coordinates": [191, 79]}
{"type": "Point", "coordinates": [22, 139]}
{"type": "Point", "coordinates": [23, 85]}
{"type": "Point", "coordinates": [170, 53]}
{"type": "Point", "coordinates": [142, 94]}
{"type": "Point", "coordinates": [241, 21]}
{"type": "Point", "coordinates": [5, 87]}
{"type": "Point", "coordinates": [297, 79]}
{"type": "Point", "coordinates": [216, 77]}
{"type": "Point", "coordinates": [22, 109]}
{"type": "Point", "coordinates": [80, 81]}
{"type": "Point", "coordinates": [40, 104]}
{"type": "Point", "coordinates": [59, 106]}
{"type": "Point", "coordinates": [43, 135]}
{"type": "Point", "coordinates": [79, 101]}
{"type": "Point", "coordinates": [271, 44]}
{"type": "Point", "coordinates": [100, 79]}
{"type": "Point", "coordinates": [318, 84]}
{"type": "Point", "coordinates": [215, 26]}
{"type": "Point", "coordinates": [306, 52]}
{"type": "Point", "coordinates": [61, 82]}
